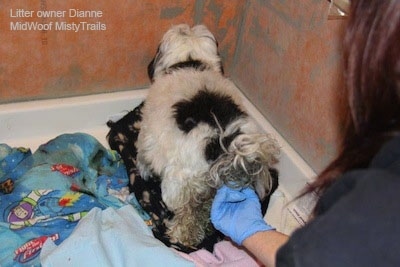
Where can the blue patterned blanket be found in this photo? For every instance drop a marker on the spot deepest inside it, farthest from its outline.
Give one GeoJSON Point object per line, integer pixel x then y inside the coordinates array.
{"type": "Point", "coordinates": [44, 194]}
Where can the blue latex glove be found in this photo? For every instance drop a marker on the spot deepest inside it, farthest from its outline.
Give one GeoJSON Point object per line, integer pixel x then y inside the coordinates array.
{"type": "Point", "coordinates": [237, 213]}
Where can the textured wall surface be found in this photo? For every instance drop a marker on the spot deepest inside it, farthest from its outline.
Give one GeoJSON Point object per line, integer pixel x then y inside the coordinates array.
{"type": "Point", "coordinates": [288, 63]}
{"type": "Point", "coordinates": [284, 55]}
{"type": "Point", "coordinates": [58, 62]}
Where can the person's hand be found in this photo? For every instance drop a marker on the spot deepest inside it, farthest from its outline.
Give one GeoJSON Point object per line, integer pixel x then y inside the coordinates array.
{"type": "Point", "coordinates": [237, 213]}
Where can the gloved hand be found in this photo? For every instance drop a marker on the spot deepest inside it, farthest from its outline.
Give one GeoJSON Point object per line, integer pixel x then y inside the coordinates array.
{"type": "Point", "coordinates": [237, 213]}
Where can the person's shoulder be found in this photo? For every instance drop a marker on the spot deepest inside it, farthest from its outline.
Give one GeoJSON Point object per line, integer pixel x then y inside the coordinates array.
{"type": "Point", "coordinates": [359, 228]}
{"type": "Point", "coordinates": [382, 175]}
{"type": "Point", "coordinates": [358, 222]}
{"type": "Point", "coordinates": [388, 157]}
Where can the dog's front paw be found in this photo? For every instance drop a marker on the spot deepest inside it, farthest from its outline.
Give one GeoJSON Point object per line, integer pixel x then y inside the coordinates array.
{"type": "Point", "coordinates": [190, 224]}
{"type": "Point", "coordinates": [185, 232]}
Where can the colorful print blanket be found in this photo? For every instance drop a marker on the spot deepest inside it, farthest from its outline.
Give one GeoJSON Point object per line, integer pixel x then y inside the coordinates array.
{"type": "Point", "coordinates": [43, 195]}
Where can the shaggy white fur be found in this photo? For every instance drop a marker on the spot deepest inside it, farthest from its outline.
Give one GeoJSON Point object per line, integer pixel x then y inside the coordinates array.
{"type": "Point", "coordinates": [181, 43]}
{"type": "Point", "coordinates": [188, 179]}
{"type": "Point", "coordinates": [171, 153]}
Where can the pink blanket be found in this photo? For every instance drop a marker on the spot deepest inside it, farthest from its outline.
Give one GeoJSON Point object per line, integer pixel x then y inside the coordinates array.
{"type": "Point", "coordinates": [225, 254]}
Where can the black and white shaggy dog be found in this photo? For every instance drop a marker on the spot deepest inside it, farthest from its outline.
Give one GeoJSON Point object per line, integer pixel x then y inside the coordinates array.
{"type": "Point", "coordinates": [195, 134]}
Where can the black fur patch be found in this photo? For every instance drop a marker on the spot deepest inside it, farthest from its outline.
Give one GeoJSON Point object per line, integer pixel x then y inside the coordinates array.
{"type": "Point", "coordinates": [214, 149]}
{"type": "Point", "coordinates": [203, 107]}
{"type": "Point", "coordinates": [193, 64]}
{"type": "Point", "coordinates": [189, 63]}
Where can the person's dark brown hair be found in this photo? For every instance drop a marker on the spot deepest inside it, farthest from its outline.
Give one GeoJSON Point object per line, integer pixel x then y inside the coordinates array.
{"type": "Point", "coordinates": [372, 73]}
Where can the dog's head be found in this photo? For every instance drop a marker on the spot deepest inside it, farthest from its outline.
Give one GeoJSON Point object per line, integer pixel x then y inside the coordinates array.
{"type": "Point", "coordinates": [182, 46]}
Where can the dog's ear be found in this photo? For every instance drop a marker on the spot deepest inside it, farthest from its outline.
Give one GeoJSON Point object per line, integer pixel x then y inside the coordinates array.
{"type": "Point", "coordinates": [152, 65]}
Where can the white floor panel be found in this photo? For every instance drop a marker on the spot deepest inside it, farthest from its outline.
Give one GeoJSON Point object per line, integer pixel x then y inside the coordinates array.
{"type": "Point", "coordinates": [29, 124]}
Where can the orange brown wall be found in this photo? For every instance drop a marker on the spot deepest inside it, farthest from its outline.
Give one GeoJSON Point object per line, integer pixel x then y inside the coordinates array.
{"type": "Point", "coordinates": [56, 63]}
{"type": "Point", "coordinates": [289, 64]}
{"type": "Point", "coordinates": [284, 57]}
